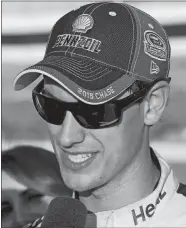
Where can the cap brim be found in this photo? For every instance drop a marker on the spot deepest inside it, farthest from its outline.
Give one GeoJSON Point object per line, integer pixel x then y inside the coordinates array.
{"type": "Point", "coordinates": [88, 81]}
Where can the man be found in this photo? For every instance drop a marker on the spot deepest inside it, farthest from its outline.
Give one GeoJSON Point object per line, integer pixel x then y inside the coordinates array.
{"type": "Point", "coordinates": [105, 83]}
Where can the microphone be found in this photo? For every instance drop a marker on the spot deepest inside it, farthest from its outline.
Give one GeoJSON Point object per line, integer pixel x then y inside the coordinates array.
{"type": "Point", "coordinates": [65, 212]}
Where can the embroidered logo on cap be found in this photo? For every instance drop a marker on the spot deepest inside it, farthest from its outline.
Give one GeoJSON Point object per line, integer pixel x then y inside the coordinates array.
{"type": "Point", "coordinates": [83, 23]}
{"type": "Point", "coordinates": [154, 46]}
{"type": "Point", "coordinates": [78, 41]}
{"type": "Point", "coordinates": [98, 95]}
{"type": "Point", "coordinates": [154, 68]}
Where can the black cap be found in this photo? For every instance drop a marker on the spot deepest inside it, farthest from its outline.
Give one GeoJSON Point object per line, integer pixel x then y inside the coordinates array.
{"type": "Point", "coordinates": [97, 51]}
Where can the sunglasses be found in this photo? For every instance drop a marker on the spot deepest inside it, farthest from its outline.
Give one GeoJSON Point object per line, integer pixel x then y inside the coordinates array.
{"type": "Point", "coordinates": [53, 110]}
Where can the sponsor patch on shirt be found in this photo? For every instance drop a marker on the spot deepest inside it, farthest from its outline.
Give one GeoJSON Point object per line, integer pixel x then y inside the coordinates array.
{"type": "Point", "coordinates": [145, 211]}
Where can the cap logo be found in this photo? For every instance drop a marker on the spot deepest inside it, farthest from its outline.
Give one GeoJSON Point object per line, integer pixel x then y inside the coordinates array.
{"type": "Point", "coordinates": [98, 95]}
{"type": "Point", "coordinates": [154, 46]}
{"type": "Point", "coordinates": [83, 23]}
{"type": "Point", "coordinates": [78, 41]}
{"type": "Point", "coordinates": [154, 68]}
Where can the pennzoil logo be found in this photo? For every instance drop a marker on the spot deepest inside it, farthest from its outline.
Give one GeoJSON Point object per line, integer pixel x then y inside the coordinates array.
{"type": "Point", "coordinates": [155, 46]}
{"type": "Point", "coordinates": [83, 23]}
{"type": "Point", "coordinates": [77, 41]}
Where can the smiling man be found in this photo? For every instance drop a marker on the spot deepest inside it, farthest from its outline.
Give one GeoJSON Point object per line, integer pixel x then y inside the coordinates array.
{"type": "Point", "coordinates": [105, 83]}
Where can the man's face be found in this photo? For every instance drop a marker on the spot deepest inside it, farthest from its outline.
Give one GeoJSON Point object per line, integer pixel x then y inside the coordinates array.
{"type": "Point", "coordinates": [108, 151]}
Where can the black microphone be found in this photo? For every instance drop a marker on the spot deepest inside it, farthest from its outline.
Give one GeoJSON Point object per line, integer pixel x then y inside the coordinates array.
{"type": "Point", "coordinates": [65, 212]}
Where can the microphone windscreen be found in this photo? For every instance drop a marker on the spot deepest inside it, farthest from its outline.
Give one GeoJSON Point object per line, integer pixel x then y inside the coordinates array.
{"type": "Point", "coordinates": [65, 212]}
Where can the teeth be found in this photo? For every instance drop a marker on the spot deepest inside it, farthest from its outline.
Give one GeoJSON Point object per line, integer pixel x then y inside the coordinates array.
{"type": "Point", "coordinates": [79, 158]}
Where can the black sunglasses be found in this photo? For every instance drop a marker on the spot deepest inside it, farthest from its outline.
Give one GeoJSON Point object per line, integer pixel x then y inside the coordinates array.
{"type": "Point", "coordinates": [89, 116]}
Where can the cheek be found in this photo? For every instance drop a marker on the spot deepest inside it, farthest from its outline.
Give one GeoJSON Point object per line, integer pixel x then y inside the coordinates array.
{"type": "Point", "coordinates": [123, 141]}
{"type": "Point", "coordinates": [114, 155]}
{"type": "Point", "coordinates": [53, 130]}
{"type": "Point", "coordinates": [131, 128]}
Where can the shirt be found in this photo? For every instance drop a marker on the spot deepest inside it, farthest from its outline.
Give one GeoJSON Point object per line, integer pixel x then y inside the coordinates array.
{"type": "Point", "coordinates": [164, 207]}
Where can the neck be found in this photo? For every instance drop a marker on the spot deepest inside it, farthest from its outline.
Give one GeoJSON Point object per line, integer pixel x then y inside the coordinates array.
{"type": "Point", "coordinates": [134, 183]}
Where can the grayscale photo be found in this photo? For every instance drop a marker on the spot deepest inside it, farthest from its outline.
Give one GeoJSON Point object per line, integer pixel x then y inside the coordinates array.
{"type": "Point", "coordinates": [93, 114]}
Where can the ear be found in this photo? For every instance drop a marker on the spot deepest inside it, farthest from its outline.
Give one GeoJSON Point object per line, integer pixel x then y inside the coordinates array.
{"type": "Point", "coordinates": [155, 102]}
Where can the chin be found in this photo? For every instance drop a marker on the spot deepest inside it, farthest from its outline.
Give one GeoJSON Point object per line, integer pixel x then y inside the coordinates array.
{"type": "Point", "coordinates": [78, 186]}
{"type": "Point", "coordinates": [79, 183]}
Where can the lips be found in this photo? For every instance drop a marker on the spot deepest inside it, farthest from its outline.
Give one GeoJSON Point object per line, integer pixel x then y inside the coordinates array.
{"type": "Point", "coordinates": [78, 152]}
{"type": "Point", "coordinates": [78, 160]}
{"type": "Point", "coordinates": [80, 157]}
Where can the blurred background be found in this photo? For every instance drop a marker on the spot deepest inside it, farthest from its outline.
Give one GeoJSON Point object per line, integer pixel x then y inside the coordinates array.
{"type": "Point", "coordinates": [25, 29]}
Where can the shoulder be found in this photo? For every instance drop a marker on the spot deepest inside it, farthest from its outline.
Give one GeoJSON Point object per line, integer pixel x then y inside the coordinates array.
{"type": "Point", "coordinates": [177, 207]}
{"type": "Point", "coordinates": [36, 223]}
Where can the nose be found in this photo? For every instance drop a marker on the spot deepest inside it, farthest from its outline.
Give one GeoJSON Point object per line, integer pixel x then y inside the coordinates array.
{"type": "Point", "coordinates": [71, 132]}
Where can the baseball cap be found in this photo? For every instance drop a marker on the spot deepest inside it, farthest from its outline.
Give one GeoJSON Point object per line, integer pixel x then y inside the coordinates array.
{"type": "Point", "coordinates": [100, 49]}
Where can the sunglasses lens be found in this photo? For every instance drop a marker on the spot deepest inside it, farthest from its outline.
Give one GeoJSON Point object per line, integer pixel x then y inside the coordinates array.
{"type": "Point", "coordinates": [96, 117]}
{"type": "Point", "coordinates": [111, 114]}
{"type": "Point", "coordinates": [88, 116]}
{"type": "Point", "coordinates": [49, 109]}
